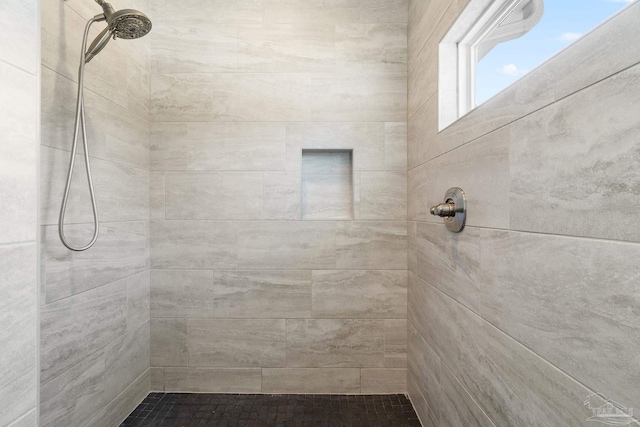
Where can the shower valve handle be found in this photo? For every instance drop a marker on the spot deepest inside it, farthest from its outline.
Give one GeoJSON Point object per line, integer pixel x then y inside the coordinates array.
{"type": "Point", "coordinates": [454, 209]}
{"type": "Point", "coordinates": [444, 209]}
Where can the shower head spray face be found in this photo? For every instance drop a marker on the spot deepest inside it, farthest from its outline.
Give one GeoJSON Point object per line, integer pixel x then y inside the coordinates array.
{"type": "Point", "coordinates": [129, 24]}
{"type": "Point", "coordinates": [124, 24]}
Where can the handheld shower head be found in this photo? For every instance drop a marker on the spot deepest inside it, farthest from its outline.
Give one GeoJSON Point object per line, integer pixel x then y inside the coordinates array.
{"type": "Point", "coordinates": [129, 24]}
{"type": "Point", "coordinates": [124, 24]}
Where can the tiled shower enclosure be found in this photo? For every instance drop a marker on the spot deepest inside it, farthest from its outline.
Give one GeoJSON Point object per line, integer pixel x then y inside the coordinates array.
{"type": "Point", "coordinates": [250, 166]}
{"type": "Point", "coordinates": [264, 171]}
{"type": "Point", "coordinates": [278, 197]}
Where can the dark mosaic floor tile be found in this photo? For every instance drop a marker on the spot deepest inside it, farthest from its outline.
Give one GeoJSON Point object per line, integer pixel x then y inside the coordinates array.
{"type": "Point", "coordinates": [253, 410]}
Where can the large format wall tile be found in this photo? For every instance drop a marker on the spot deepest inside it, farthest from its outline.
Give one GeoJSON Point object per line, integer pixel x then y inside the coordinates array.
{"type": "Point", "coordinates": [193, 244]}
{"type": "Point", "coordinates": [75, 327]}
{"type": "Point", "coordinates": [234, 146]}
{"type": "Point", "coordinates": [119, 252]}
{"type": "Point", "coordinates": [335, 343]}
{"type": "Point", "coordinates": [157, 379]}
{"type": "Point", "coordinates": [19, 395]}
{"type": "Point", "coordinates": [433, 314]}
{"type": "Point", "coordinates": [181, 293]}
{"type": "Point", "coordinates": [308, 97]}
{"type": "Point", "coordinates": [138, 300]}
{"type": "Point", "coordinates": [422, 144]}
{"type": "Point", "coordinates": [423, 19]}
{"type": "Point", "coordinates": [286, 48]}
{"type": "Point", "coordinates": [294, 11]}
{"type": "Point", "coordinates": [395, 343]}
{"type": "Point", "coordinates": [310, 380]}
{"type": "Point", "coordinates": [383, 195]}
{"type": "Point", "coordinates": [18, 313]}
{"type": "Point", "coordinates": [211, 380]}
{"type": "Point", "coordinates": [532, 294]}
{"type": "Point", "coordinates": [480, 168]}
{"type": "Point", "coordinates": [489, 364]}
{"type": "Point", "coordinates": [123, 405]}
{"type": "Point", "coordinates": [199, 14]}
{"type": "Point", "coordinates": [389, 11]}
{"type": "Point", "coordinates": [286, 245]}
{"type": "Point", "coordinates": [193, 49]}
{"type": "Point", "coordinates": [182, 97]}
{"type": "Point", "coordinates": [262, 294]}
{"type": "Point", "coordinates": [237, 343]}
{"type": "Point", "coordinates": [424, 368]}
{"type": "Point", "coordinates": [17, 163]}
{"type": "Point", "coordinates": [359, 294]}
{"type": "Point", "coordinates": [395, 146]}
{"type": "Point", "coordinates": [169, 149]}
{"type": "Point", "coordinates": [385, 381]}
{"type": "Point", "coordinates": [114, 133]}
{"type": "Point", "coordinates": [138, 83]}
{"type": "Point", "coordinates": [372, 245]}
{"type": "Point", "coordinates": [29, 419]}
{"type": "Point", "coordinates": [126, 359]}
{"type": "Point", "coordinates": [372, 47]}
{"type": "Point", "coordinates": [121, 191]}
{"type": "Point", "coordinates": [213, 195]}
{"type": "Point", "coordinates": [156, 196]}
{"type": "Point", "coordinates": [458, 408]}
{"type": "Point", "coordinates": [169, 342]}
{"type": "Point", "coordinates": [75, 396]}
{"type": "Point", "coordinates": [19, 17]}
{"type": "Point", "coordinates": [60, 38]}
{"type": "Point", "coordinates": [419, 403]}
{"type": "Point", "coordinates": [366, 11]}
{"type": "Point", "coordinates": [281, 195]}
{"type": "Point", "coordinates": [422, 75]}
{"type": "Point", "coordinates": [451, 262]}
{"type": "Point", "coordinates": [568, 169]}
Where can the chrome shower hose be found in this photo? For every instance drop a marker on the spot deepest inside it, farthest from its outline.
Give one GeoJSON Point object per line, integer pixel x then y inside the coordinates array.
{"type": "Point", "coordinates": [80, 124]}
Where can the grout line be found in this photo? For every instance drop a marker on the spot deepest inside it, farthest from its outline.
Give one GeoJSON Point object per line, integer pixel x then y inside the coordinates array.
{"type": "Point", "coordinates": [515, 340]}
{"type": "Point", "coordinates": [18, 243]}
{"type": "Point", "coordinates": [89, 355]}
{"type": "Point", "coordinates": [134, 113]}
{"type": "Point", "coordinates": [537, 233]}
{"type": "Point", "coordinates": [523, 116]}
{"type": "Point", "coordinates": [16, 67]}
{"type": "Point", "coordinates": [44, 304]}
{"type": "Point", "coordinates": [102, 159]}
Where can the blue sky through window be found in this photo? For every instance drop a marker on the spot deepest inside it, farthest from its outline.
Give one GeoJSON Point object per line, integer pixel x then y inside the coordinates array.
{"type": "Point", "coordinates": [563, 22]}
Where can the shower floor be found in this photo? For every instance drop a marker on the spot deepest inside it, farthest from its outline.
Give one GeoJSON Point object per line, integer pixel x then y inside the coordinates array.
{"type": "Point", "coordinates": [292, 410]}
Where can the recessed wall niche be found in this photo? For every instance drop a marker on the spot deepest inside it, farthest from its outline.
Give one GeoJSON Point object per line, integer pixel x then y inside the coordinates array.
{"type": "Point", "coordinates": [327, 184]}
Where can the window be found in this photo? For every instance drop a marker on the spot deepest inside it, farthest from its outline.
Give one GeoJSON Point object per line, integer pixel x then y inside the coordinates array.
{"type": "Point", "coordinates": [496, 42]}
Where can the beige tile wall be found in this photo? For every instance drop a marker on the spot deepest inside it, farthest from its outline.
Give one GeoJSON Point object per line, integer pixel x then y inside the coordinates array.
{"type": "Point", "coordinates": [518, 319]}
{"type": "Point", "coordinates": [95, 328]}
{"type": "Point", "coordinates": [246, 296]}
{"type": "Point", "coordinates": [19, 80]}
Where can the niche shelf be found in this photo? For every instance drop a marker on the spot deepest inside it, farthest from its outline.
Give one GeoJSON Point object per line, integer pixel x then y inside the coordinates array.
{"type": "Point", "coordinates": [327, 184]}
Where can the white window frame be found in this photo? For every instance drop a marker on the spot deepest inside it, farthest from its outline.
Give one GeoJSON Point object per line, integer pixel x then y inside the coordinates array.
{"type": "Point", "coordinates": [459, 51]}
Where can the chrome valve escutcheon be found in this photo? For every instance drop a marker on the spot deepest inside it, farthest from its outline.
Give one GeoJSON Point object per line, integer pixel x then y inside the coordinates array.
{"type": "Point", "coordinates": [453, 210]}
